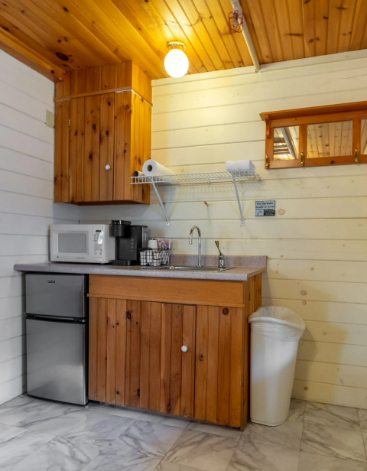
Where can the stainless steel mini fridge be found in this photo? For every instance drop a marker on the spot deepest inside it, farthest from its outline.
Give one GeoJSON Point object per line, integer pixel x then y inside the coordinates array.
{"type": "Point", "coordinates": [57, 328]}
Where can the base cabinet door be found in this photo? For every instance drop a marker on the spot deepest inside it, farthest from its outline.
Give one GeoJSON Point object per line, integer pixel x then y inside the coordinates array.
{"type": "Point", "coordinates": [107, 341]}
{"type": "Point", "coordinates": [178, 360]}
{"type": "Point", "coordinates": [160, 356]}
{"type": "Point", "coordinates": [221, 363]}
{"type": "Point", "coordinates": [142, 354]}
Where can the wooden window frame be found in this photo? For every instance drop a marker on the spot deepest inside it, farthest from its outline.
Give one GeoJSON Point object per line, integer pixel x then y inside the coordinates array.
{"type": "Point", "coordinates": [305, 116]}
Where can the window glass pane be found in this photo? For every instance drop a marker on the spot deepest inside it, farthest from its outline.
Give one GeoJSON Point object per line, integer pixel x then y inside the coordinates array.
{"type": "Point", "coordinates": [286, 143]}
{"type": "Point", "coordinates": [364, 136]}
{"type": "Point", "coordinates": [330, 139]}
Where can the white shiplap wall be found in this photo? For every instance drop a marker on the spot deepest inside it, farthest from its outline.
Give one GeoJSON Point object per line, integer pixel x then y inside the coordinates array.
{"type": "Point", "coordinates": [317, 246]}
{"type": "Point", "coordinates": [26, 207]}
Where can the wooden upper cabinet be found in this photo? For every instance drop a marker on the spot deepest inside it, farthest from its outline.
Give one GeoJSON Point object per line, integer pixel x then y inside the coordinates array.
{"type": "Point", "coordinates": [318, 136]}
{"type": "Point", "coordinates": [102, 134]}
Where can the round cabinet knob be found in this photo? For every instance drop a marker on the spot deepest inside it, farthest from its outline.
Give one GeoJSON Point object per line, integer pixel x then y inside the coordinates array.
{"type": "Point", "coordinates": [108, 167]}
{"type": "Point", "coordinates": [184, 349]}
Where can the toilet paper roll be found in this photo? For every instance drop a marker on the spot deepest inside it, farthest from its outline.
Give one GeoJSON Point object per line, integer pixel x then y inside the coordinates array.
{"type": "Point", "coordinates": [137, 173]}
{"type": "Point", "coordinates": [151, 168]}
{"type": "Point", "coordinates": [233, 166]}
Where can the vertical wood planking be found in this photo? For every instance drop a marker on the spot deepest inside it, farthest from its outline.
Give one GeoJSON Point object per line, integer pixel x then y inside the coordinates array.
{"type": "Point", "coordinates": [65, 152]}
{"type": "Point", "coordinates": [76, 148]}
{"type": "Point", "coordinates": [220, 352]}
{"type": "Point", "coordinates": [188, 362]}
{"type": "Point", "coordinates": [145, 324]}
{"type": "Point", "coordinates": [133, 354]}
{"type": "Point", "coordinates": [224, 366]}
{"type": "Point", "coordinates": [212, 363]}
{"type": "Point", "coordinates": [58, 151]}
{"type": "Point", "coordinates": [237, 366]}
{"type": "Point", "coordinates": [201, 364]}
{"type": "Point", "coordinates": [155, 356]}
{"type": "Point", "coordinates": [91, 152]}
{"type": "Point", "coordinates": [120, 351]}
{"type": "Point", "coordinates": [61, 165]}
{"type": "Point", "coordinates": [106, 150]}
{"type": "Point", "coordinates": [111, 352]}
{"type": "Point", "coordinates": [176, 359]}
{"type": "Point", "coordinates": [92, 365]}
{"type": "Point", "coordinates": [136, 144]}
{"type": "Point", "coordinates": [101, 349]}
{"type": "Point", "coordinates": [166, 347]}
{"type": "Point", "coordinates": [122, 146]}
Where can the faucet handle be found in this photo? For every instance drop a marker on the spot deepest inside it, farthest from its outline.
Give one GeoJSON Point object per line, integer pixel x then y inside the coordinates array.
{"type": "Point", "coordinates": [221, 258]}
{"type": "Point", "coordinates": [217, 244]}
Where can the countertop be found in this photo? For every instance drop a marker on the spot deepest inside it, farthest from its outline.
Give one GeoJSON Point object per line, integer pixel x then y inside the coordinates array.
{"type": "Point", "coordinates": [243, 268]}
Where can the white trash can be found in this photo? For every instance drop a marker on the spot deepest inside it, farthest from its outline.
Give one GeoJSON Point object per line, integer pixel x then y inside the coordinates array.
{"type": "Point", "coordinates": [275, 332]}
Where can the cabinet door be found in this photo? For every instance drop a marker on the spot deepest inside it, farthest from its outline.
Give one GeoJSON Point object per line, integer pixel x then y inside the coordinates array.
{"type": "Point", "coordinates": [221, 359]}
{"type": "Point", "coordinates": [178, 359]}
{"type": "Point", "coordinates": [159, 375]}
{"type": "Point", "coordinates": [98, 148]}
{"type": "Point", "coordinates": [135, 355]}
{"type": "Point", "coordinates": [76, 148]}
{"type": "Point", "coordinates": [132, 146]}
{"type": "Point", "coordinates": [107, 350]}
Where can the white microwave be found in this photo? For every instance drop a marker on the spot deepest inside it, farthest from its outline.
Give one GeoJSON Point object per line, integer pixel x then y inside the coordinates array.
{"type": "Point", "coordinates": [81, 243]}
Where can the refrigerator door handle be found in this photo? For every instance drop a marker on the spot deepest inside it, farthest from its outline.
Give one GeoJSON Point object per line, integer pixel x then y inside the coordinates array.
{"type": "Point", "coordinates": [66, 320]}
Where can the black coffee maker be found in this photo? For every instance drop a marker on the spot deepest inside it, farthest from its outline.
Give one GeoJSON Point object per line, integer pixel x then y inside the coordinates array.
{"type": "Point", "coordinates": [129, 240]}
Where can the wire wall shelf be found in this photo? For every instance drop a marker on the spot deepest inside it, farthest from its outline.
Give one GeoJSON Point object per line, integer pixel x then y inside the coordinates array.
{"type": "Point", "coordinates": [197, 178]}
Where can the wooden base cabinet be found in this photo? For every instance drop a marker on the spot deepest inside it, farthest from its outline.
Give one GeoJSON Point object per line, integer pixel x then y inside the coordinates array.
{"type": "Point", "coordinates": [180, 359]}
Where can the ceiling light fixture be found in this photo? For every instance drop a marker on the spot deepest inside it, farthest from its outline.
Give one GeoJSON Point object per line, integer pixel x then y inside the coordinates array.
{"type": "Point", "coordinates": [176, 62]}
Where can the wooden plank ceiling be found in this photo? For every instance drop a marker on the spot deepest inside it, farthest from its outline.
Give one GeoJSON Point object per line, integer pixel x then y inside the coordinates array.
{"type": "Point", "coordinates": [54, 36]}
{"type": "Point", "coordinates": [294, 29]}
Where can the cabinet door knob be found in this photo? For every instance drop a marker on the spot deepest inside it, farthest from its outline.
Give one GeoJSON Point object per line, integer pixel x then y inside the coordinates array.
{"type": "Point", "coordinates": [108, 167]}
{"type": "Point", "coordinates": [184, 349]}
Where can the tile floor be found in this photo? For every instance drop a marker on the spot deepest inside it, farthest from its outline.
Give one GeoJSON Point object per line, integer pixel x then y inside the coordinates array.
{"type": "Point", "coordinates": [38, 435]}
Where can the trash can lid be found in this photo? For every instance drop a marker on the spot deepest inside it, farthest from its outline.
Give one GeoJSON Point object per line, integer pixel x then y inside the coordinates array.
{"type": "Point", "coordinates": [277, 315]}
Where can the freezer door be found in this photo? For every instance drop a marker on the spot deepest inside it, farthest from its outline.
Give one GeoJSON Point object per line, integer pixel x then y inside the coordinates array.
{"type": "Point", "coordinates": [56, 360]}
{"type": "Point", "coordinates": [56, 295]}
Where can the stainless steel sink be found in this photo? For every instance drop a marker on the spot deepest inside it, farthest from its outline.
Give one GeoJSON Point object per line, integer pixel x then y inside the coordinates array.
{"type": "Point", "coordinates": [188, 268]}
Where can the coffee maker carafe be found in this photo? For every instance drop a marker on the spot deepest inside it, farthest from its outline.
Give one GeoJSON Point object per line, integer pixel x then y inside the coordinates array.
{"type": "Point", "coordinates": [129, 240]}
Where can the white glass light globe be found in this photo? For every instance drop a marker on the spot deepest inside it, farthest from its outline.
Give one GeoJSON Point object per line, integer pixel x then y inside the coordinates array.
{"type": "Point", "coordinates": [176, 63]}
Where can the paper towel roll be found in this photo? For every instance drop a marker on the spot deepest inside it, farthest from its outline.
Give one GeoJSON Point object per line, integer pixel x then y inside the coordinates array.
{"type": "Point", "coordinates": [240, 166]}
{"type": "Point", "coordinates": [151, 168]}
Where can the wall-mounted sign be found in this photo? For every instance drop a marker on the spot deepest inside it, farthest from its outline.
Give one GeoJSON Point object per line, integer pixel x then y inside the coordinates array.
{"type": "Point", "coordinates": [265, 208]}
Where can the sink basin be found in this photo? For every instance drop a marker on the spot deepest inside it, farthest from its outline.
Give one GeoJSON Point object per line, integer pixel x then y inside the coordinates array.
{"type": "Point", "coordinates": [188, 268]}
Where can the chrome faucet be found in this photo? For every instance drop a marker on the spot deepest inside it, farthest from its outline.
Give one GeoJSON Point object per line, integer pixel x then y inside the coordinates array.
{"type": "Point", "coordinates": [199, 240]}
